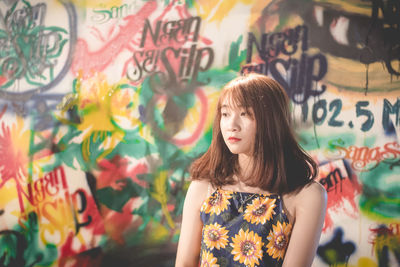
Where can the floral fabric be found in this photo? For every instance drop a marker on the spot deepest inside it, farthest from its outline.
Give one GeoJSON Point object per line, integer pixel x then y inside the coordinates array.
{"type": "Point", "coordinates": [243, 229]}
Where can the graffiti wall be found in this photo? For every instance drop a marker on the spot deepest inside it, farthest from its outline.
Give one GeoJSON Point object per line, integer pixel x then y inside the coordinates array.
{"type": "Point", "coordinates": [104, 105]}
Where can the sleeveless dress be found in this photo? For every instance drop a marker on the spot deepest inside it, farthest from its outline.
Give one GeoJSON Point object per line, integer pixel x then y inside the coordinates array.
{"type": "Point", "coordinates": [243, 229]}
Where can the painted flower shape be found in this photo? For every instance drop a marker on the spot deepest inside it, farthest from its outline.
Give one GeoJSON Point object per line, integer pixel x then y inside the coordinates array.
{"type": "Point", "coordinates": [217, 203]}
{"type": "Point", "coordinates": [215, 236]}
{"type": "Point", "coordinates": [208, 260]}
{"type": "Point", "coordinates": [278, 240]}
{"type": "Point", "coordinates": [260, 210]}
{"type": "Point", "coordinates": [247, 247]}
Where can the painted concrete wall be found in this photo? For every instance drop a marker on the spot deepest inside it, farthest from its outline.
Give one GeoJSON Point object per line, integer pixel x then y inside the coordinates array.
{"type": "Point", "coordinates": [105, 104]}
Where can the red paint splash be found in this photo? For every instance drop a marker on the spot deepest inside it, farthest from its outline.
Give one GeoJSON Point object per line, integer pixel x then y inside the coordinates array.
{"type": "Point", "coordinates": [3, 80]}
{"type": "Point", "coordinates": [345, 191]}
{"type": "Point", "coordinates": [14, 160]}
{"type": "Point", "coordinates": [88, 62]}
{"type": "Point", "coordinates": [119, 168]}
{"type": "Point", "coordinates": [116, 223]}
{"type": "Point", "coordinates": [77, 257]}
{"type": "Point", "coordinates": [384, 236]}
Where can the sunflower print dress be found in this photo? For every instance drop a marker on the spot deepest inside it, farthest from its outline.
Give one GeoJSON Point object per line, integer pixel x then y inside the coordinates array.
{"type": "Point", "coordinates": [243, 229]}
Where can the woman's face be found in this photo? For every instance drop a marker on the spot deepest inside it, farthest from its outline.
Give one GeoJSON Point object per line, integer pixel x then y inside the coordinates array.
{"type": "Point", "coordinates": [238, 128]}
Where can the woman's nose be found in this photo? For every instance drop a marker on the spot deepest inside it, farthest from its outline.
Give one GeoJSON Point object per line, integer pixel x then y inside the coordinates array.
{"type": "Point", "coordinates": [234, 124]}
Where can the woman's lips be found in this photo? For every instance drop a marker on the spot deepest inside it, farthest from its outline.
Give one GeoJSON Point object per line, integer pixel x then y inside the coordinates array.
{"type": "Point", "coordinates": [234, 139]}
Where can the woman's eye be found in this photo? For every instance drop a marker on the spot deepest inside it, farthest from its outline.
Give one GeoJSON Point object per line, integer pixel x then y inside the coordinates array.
{"type": "Point", "coordinates": [224, 114]}
{"type": "Point", "coordinates": [243, 113]}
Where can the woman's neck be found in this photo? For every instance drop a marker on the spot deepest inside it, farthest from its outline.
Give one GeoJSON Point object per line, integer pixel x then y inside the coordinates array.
{"type": "Point", "coordinates": [245, 165]}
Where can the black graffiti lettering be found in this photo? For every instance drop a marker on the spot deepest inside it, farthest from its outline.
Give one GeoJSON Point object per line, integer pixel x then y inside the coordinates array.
{"type": "Point", "coordinates": [153, 34]}
{"type": "Point", "coordinates": [317, 116]}
{"type": "Point", "coordinates": [276, 74]}
{"type": "Point", "coordinates": [273, 44]}
{"type": "Point", "coordinates": [362, 111]}
{"type": "Point", "coordinates": [388, 109]}
{"type": "Point", "coordinates": [81, 209]}
{"type": "Point", "coordinates": [303, 76]}
{"type": "Point", "coordinates": [336, 105]}
{"type": "Point", "coordinates": [331, 181]}
{"type": "Point", "coordinates": [170, 71]}
{"type": "Point", "coordinates": [252, 40]}
{"type": "Point", "coordinates": [199, 59]}
{"type": "Point", "coordinates": [175, 66]}
{"type": "Point", "coordinates": [190, 60]}
{"type": "Point", "coordinates": [178, 31]}
{"type": "Point", "coordinates": [137, 72]}
{"type": "Point", "coordinates": [187, 62]}
{"type": "Point", "coordinates": [315, 74]}
{"type": "Point", "coordinates": [300, 76]}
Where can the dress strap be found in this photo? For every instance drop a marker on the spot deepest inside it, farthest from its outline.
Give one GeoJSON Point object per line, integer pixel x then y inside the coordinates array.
{"type": "Point", "coordinates": [210, 190]}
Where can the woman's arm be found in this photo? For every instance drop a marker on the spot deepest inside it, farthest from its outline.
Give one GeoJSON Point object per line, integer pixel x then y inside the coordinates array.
{"type": "Point", "coordinates": [310, 208]}
{"type": "Point", "coordinates": [190, 237]}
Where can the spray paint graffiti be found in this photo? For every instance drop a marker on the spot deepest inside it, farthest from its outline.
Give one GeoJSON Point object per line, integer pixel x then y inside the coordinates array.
{"type": "Point", "coordinates": [348, 34]}
{"type": "Point", "coordinates": [33, 53]}
{"type": "Point", "coordinates": [364, 158]}
{"type": "Point", "coordinates": [385, 240]}
{"type": "Point", "coordinates": [172, 32]}
{"type": "Point", "coordinates": [168, 54]}
{"type": "Point", "coordinates": [103, 15]}
{"type": "Point", "coordinates": [297, 76]}
{"type": "Point", "coordinates": [94, 170]}
{"type": "Point", "coordinates": [336, 251]}
{"type": "Point", "coordinates": [342, 188]}
{"type": "Point", "coordinates": [87, 62]}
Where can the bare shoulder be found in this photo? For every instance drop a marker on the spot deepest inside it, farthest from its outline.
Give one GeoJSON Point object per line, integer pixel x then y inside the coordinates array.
{"type": "Point", "coordinates": [313, 190]}
{"type": "Point", "coordinates": [197, 192]}
{"type": "Point", "coordinates": [199, 186]}
{"type": "Point", "coordinates": [312, 195]}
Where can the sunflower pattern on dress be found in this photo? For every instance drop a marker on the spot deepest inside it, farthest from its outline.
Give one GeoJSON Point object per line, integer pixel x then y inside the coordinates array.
{"type": "Point", "coordinates": [257, 235]}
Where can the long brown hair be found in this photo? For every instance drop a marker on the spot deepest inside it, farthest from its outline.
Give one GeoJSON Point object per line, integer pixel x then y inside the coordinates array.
{"type": "Point", "coordinates": [280, 164]}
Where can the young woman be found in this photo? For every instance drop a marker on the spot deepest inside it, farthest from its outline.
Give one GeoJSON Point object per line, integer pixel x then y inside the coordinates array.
{"type": "Point", "coordinates": [252, 200]}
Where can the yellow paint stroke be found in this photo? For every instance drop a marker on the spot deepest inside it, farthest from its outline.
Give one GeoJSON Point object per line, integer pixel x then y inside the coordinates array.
{"type": "Point", "coordinates": [125, 112]}
{"type": "Point", "coordinates": [8, 193]}
{"type": "Point", "coordinates": [351, 6]}
{"type": "Point", "coordinates": [347, 73]}
{"type": "Point", "coordinates": [106, 111]}
{"type": "Point", "coordinates": [96, 3]}
{"type": "Point", "coordinates": [56, 219]}
{"type": "Point", "coordinates": [158, 233]}
{"type": "Point", "coordinates": [159, 193]}
{"type": "Point", "coordinates": [94, 105]}
{"type": "Point", "coordinates": [362, 262]}
{"type": "Point", "coordinates": [217, 10]}
{"type": "Point", "coordinates": [256, 12]}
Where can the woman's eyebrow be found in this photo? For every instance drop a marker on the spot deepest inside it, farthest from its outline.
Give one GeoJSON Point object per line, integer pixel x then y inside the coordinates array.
{"type": "Point", "coordinates": [229, 106]}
